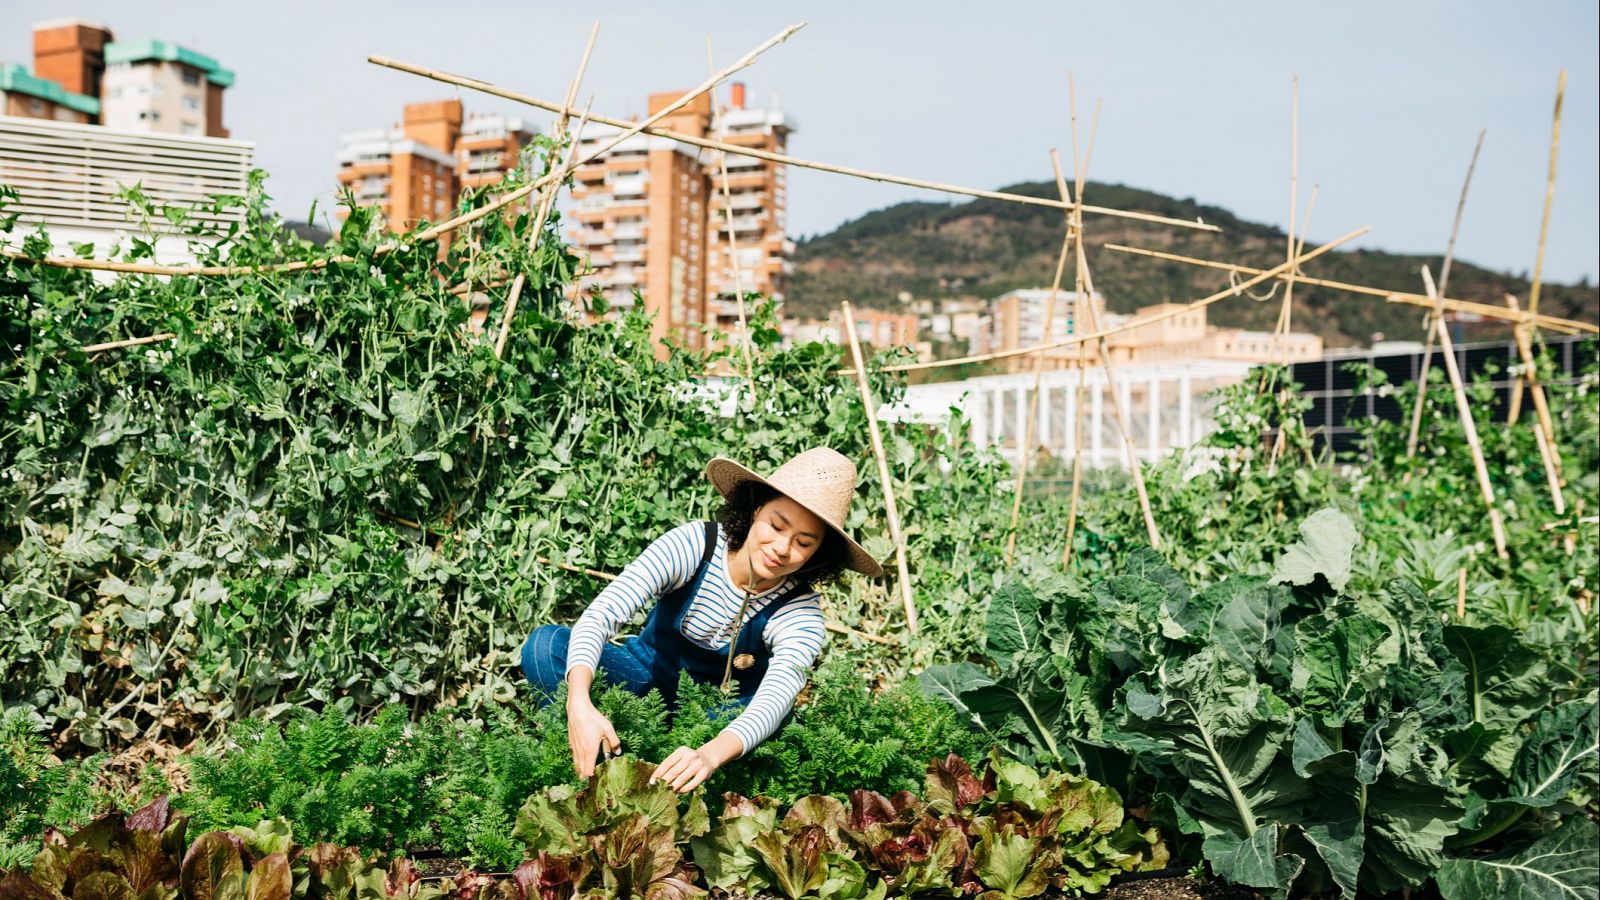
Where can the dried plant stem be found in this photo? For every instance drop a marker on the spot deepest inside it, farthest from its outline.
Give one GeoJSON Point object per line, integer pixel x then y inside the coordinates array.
{"type": "Point", "coordinates": [890, 508]}
{"type": "Point", "coordinates": [1469, 426]}
{"type": "Point", "coordinates": [1488, 311]}
{"type": "Point", "coordinates": [1444, 286]}
{"type": "Point", "coordinates": [130, 342]}
{"type": "Point", "coordinates": [784, 159]}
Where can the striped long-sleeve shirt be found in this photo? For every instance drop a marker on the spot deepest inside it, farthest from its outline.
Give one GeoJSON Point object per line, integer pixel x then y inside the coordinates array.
{"type": "Point", "coordinates": [794, 634]}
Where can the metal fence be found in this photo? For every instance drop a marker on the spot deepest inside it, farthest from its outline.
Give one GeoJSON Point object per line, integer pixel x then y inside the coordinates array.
{"type": "Point", "coordinates": [1337, 403]}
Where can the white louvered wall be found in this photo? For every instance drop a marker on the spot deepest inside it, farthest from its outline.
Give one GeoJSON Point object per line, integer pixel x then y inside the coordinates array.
{"type": "Point", "coordinates": [68, 175]}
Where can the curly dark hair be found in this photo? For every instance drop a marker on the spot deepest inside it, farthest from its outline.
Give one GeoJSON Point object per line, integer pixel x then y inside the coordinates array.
{"type": "Point", "coordinates": [739, 513]}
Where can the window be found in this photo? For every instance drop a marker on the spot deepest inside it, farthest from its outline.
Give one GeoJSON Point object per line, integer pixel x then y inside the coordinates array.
{"type": "Point", "coordinates": [189, 76]}
{"type": "Point", "coordinates": [191, 128]}
{"type": "Point", "coordinates": [192, 104]}
{"type": "Point", "coordinates": [37, 107]}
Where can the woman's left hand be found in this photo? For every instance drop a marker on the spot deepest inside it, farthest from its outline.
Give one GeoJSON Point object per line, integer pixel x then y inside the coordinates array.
{"type": "Point", "coordinates": [685, 770]}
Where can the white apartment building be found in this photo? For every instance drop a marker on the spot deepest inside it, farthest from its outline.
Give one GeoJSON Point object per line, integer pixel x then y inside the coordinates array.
{"type": "Point", "coordinates": [155, 86]}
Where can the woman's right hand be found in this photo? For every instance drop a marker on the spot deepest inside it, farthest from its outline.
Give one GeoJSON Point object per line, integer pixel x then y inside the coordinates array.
{"type": "Point", "coordinates": [587, 731]}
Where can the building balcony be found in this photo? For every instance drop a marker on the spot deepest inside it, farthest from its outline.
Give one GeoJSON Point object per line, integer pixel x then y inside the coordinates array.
{"type": "Point", "coordinates": [737, 163]}
{"type": "Point", "coordinates": [591, 237]}
{"type": "Point", "coordinates": [619, 278]}
{"type": "Point", "coordinates": [628, 232]}
{"type": "Point", "coordinates": [629, 254]}
{"type": "Point", "coordinates": [745, 224]}
{"type": "Point", "coordinates": [628, 187]}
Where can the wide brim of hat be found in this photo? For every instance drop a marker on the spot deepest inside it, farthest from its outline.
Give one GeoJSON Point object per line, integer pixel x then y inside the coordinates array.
{"type": "Point", "coordinates": [725, 475]}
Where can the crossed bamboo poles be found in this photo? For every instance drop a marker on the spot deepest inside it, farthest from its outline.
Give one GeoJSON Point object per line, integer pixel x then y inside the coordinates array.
{"type": "Point", "coordinates": [1525, 323]}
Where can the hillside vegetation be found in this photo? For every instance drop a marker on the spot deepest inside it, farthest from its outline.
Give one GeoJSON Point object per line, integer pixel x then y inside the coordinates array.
{"type": "Point", "coordinates": [983, 248]}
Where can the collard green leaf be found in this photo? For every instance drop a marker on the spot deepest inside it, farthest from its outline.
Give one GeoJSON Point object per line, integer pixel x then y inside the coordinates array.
{"type": "Point", "coordinates": [1244, 618]}
{"type": "Point", "coordinates": [1563, 865]}
{"type": "Point", "coordinates": [1013, 624]}
{"type": "Point", "coordinates": [1412, 807]}
{"type": "Point", "coordinates": [1565, 741]}
{"type": "Point", "coordinates": [1507, 684]}
{"type": "Point", "coordinates": [948, 683]}
{"type": "Point", "coordinates": [1327, 541]}
{"type": "Point", "coordinates": [1255, 860]}
{"type": "Point", "coordinates": [1228, 738]}
{"type": "Point", "coordinates": [1339, 664]}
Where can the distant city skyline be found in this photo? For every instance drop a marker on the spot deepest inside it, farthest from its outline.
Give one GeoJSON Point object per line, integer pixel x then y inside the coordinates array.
{"type": "Point", "coordinates": [1197, 101]}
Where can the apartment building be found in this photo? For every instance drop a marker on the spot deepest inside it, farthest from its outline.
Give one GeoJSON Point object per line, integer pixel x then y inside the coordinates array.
{"type": "Point", "coordinates": [28, 96]}
{"type": "Point", "coordinates": [1016, 319]}
{"type": "Point", "coordinates": [152, 85]}
{"type": "Point", "coordinates": [641, 214]}
{"type": "Point", "coordinates": [757, 197]}
{"type": "Point", "coordinates": [650, 216]}
{"type": "Point", "coordinates": [416, 170]}
{"type": "Point", "coordinates": [71, 53]}
{"type": "Point", "coordinates": [82, 75]}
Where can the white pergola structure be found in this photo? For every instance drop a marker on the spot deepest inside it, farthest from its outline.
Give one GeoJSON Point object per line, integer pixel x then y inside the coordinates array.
{"type": "Point", "coordinates": [1167, 403]}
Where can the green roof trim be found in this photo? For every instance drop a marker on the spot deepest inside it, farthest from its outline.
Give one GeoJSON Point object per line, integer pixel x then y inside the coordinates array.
{"type": "Point", "coordinates": [140, 51]}
{"type": "Point", "coordinates": [17, 79]}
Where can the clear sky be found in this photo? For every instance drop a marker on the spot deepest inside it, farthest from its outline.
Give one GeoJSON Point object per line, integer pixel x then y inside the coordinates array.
{"type": "Point", "coordinates": [1196, 95]}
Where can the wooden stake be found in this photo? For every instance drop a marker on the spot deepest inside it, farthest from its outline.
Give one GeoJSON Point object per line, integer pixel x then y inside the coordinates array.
{"type": "Point", "coordinates": [1285, 311]}
{"type": "Point", "coordinates": [1544, 429]}
{"type": "Point", "coordinates": [130, 342]}
{"type": "Point", "coordinates": [1282, 331]}
{"type": "Point", "coordinates": [1087, 309]}
{"type": "Point", "coordinates": [733, 249]}
{"type": "Point", "coordinates": [1488, 311]}
{"type": "Point", "coordinates": [883, 471]}
{"type": "Point", "coordinates": [547, 199]}
{"type": "Point", "coordinates": [1230, 291]}
{"type": "Point", "coordinates": [1461, 594]}
{"type": "Point", "coordinates": [1469, 426]}
{"type": "Point", "coordinates": [1544, 233]}
{"type": "Point", "coordinates": [1549, 194]}
{"type": "Point", "coordinates": [1444, 285]}
{"type": "Point", "coordinates": [783, 159]}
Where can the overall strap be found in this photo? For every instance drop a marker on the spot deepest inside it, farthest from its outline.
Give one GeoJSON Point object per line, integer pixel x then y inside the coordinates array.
{"type": "Point", "coordinates": [711, 542]}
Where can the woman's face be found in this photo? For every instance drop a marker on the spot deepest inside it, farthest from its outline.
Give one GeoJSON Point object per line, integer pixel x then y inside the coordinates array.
{"type": "Point", "coordinates": [783, 537]}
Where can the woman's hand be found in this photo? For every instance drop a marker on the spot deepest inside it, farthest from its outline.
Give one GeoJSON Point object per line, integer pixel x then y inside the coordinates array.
{"type": "Point", "coordinates": [587, 730]}
{"type": "Point", "coordinates": [685, 770]}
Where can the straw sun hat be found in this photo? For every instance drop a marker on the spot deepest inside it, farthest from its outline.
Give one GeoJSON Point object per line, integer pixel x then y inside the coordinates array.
{"type": "Point", "coordinates": [821, 480]}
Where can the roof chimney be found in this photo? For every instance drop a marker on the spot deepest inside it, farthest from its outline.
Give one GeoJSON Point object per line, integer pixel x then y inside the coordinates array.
{"type": "Point", "coordinates": [738, 95]}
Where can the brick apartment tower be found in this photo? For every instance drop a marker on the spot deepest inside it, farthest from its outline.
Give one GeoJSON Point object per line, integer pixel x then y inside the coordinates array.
{"type": "Point", "coordinates": [648, 214]}
{"type": "Point", "coordinates": [71, 52]}
{"type": "Point", "coordinates": [758, 198]}
{"type": "Point", "coordinates": [409, 171]}
{"type": "Point", "coordinates": [642, 215]}
{"type": "Point", "coordinates": [417, 170]}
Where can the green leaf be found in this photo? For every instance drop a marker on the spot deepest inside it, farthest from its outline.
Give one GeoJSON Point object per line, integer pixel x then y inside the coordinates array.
{"type": "Point", "coordinates": [1254, 861]}
{"type": "Point", "coordinates": [1563, 865]}
{"type": "Point", "coordinates": [1340, 664]}
{"type": "Point", "coordinates": [213, 869]}
{"type": "Point", "coordinates": [1010, 864]}
{"type": "Point", "coordinates": [1327, 541]}
{"type": "Point", "coordinates": [1565, 741]}
{"type": "Point", "coordinates": [1013, 625]}
{"type": "Point", "coordinates": [1506, 682]}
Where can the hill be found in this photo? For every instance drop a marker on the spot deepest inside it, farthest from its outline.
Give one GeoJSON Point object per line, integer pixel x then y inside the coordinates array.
{"type": "Point", "coordinates": [983, 248]}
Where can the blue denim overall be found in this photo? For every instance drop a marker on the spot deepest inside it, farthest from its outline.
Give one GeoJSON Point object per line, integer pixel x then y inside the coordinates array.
{"type": "Point", "coordinates": [654, 657]}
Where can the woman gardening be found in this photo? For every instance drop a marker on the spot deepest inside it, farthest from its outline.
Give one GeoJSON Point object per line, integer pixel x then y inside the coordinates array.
{"type": "Point", "coordinates": [735, 604]}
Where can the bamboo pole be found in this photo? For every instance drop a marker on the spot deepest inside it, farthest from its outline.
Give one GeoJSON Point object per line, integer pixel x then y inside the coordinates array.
{"type": "Point", "coordinates": [782, 159]}
{"type": "Point", "coordinates": [1544, 429]}
{"type": "Point", "coordinates": [429, 234]}
{"type": "Point", "coordinates": [733, 249]}
{"type": "Point", "coordinates": [1285, 310]}
{"type": "Point", "coordinates": [1230, 291]}
{"type": "Point", "coordinates": [130, 342]}
{"type": "Point", "coordinates": [1469, 426]}
{"type": "Point", "coordinates": [1282, 331]}
{"type": "Point", "coordinates": [1500, 313]}
{"type": "Point", "coordinates": [1444, 286]}
{"type": "Point", "coordinates": [1461, 594]}
{"type": "Point", "coordinates": [548, 198]}
{"type": "Point", "coordinates": [1544, 233]}
{"type": "Point", "coordinates": [1025, 447]}
{"type": "Point", "coordinates": [883, 471]}
{"type": "Point", "coordinates": [1077, 457]}
{"type": "Point", "coordinates": [1117, 411]}
{"type": "Point", "coordinates": [1549, 195]}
